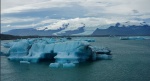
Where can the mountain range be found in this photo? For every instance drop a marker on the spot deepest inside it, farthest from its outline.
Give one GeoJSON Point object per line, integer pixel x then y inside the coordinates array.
{"type": "Point", "coordinates": [129, 30]}
{"type": "Point", "coordinates": [117, 29]}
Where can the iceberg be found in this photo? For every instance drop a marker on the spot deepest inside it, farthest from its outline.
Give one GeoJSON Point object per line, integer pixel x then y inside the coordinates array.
{"type": "Point", "coordinates": [65, 52]}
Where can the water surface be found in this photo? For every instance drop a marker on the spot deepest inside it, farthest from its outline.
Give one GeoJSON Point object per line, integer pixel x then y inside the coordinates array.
{"type": "Point", "coordinates": [131, 62]}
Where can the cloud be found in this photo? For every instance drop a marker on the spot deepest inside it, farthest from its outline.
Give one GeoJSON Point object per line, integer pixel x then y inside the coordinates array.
{"type": "Point", "coordinates": [40, 13]}
{"type": "Point", "coordinates": [35, 6]}
{"type": "Point", "coordinates": [8, 25]}
{"type": "Point", "coordinates": [103, 6]}
{"type": "Point", "coordinates": [9, 20]}
{"type": "Point", "coordinates": [117, 7]}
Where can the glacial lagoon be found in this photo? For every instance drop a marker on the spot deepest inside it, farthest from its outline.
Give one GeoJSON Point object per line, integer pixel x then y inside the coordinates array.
{"type": "Point", "coordinates": [130, 62]}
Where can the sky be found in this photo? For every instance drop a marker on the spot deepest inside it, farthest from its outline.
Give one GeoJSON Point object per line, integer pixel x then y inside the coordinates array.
{"type": "Point", "coordinates": [18, 14]}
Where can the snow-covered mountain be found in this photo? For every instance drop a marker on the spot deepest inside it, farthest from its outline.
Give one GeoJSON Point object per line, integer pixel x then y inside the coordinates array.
{"type": "Point", "coordinates": [86, 26]}
{"type": "Point", "coordinates": [124, 29]}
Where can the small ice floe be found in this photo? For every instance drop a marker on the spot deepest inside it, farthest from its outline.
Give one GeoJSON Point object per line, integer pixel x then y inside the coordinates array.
{"type": "Point", "coordinates": [25, 62]}
{"type": "Point", "coordinates": [67, 65]}
{"type": "Point", "coordinates": [132, 38]}
{"type": "Point", "coordinates": [55, 65]}
{"type": "Point", "coordinates": [89, 40]}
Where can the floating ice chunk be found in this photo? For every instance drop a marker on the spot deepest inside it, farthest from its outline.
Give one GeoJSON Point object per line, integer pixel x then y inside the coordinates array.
{"type": "Point", "coordinates": [25, 62]}
{"type": "Point", "coordinates": [101, 50]}
{"type": "Point", "coordinates": [65, 52]}
{"type": "Point", "coordinates": [89, 40]}
{"type": "Point", "coordinates": [132, 38]}
{"type": "Point", "coordinates": [56, 65]}
{"type": "Point", "coordinates": [67, 65]}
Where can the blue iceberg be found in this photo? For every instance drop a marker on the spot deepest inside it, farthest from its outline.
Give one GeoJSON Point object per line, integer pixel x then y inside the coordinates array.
{"type": "Point", "coordinates": [65, 52]}
{"type": "Point", "coordinates": [18, 50]}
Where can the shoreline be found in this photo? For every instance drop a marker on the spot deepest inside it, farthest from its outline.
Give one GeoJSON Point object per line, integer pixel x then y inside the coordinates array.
{"type": "Point", "coordinates": [13, 37]}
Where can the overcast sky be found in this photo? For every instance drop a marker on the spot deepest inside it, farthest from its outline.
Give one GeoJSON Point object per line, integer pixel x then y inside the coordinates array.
{"type": "Point", "coordinates": [37, 13]}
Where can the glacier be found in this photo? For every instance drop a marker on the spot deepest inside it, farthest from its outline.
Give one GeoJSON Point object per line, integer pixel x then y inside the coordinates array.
{"type": "Point", "coordinates": [65, 53]}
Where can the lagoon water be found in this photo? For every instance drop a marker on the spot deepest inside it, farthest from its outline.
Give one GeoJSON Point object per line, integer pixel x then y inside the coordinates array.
{"type": "Point", "coordinates": [131, 62]}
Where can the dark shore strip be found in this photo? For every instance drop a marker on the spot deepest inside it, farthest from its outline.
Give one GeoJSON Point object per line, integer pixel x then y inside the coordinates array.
{"type": "Point", "coordinates": [13, 37]}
